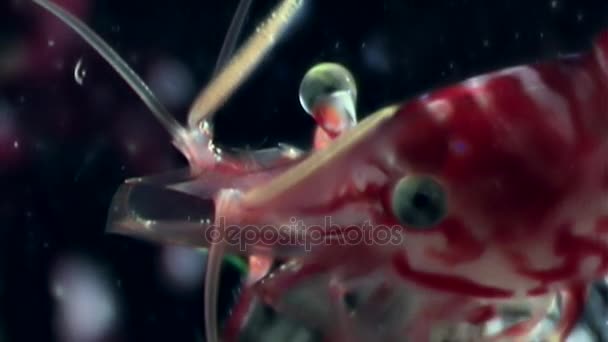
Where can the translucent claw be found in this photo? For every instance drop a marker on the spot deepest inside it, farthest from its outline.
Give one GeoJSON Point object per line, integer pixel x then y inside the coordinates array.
{"type": "Point", "coordinates": [167, 209]}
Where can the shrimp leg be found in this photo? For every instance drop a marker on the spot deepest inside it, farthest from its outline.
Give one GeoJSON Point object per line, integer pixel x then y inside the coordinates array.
{"type": "Point", "coordinates": [573, 305]}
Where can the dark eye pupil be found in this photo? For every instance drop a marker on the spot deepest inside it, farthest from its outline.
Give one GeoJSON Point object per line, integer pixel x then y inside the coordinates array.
{"type": "Point", "coordinates": [418, 201]}
{"type": "Point", "coordinates": [421, 200]}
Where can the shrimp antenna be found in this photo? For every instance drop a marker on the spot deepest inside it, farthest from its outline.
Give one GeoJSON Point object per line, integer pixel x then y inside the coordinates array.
{"type": "Point", "coordinates": [215, 255]}
{"type": "Point", "coordinates": [176, 130]}
{"type": "Point", "coordinates": [242, 64]}
{"type": "Point", "coordinates": [232, 35]}
{"type": "Point", "coordinates": [214, 95]}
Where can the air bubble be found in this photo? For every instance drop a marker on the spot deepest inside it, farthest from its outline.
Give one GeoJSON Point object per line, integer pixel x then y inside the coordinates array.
{"type": "Point", "coordinates": [79, 72]}
{"type": "Point", "coordinates": [324, 80]}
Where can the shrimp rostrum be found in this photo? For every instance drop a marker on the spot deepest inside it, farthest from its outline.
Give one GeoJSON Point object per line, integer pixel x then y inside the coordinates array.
{"type": "Point", "coordinates": [477, 211]}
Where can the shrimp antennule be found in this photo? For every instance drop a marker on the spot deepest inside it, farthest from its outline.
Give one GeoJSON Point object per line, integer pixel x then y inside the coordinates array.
{"type": "Point", "coordinates": [242, 64]}
{"type": "Point", "coordinates": [232, 35]}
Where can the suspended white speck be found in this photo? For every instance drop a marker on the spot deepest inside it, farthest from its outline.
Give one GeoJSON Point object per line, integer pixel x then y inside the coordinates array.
{"type": "Point", "coordinates": [131, 147]}
{"type": "Point", "coordinates": [16, 144]}
{"type": "Point", "coordinates": [39, 146]}
{"type": "Point", "coordinates": [451, 65]}
{"type": "Point", "coordinates": [184, 266]}
{"type": "Point", "coordinates": [59, 65]}
{"type": "Point", "coordinates": [375, 55]}
{"type": "Point", "coordinates": [486, 43]}
{"type": "Point", "coordinates": [51, 43]}
{"type": "Point", "coordinates": [86, 308]}
{"type": "Point", "coordinates": [79, 72]}
{"type": "Point", "coordinates": [58, 291]}
{"type": "Point", "coordinates": [579, 17]}
{"type": "Point", "coordinates": [172, 82]}
{"type": "Point", "coordinates": [542, 35]}
{"type": "Point", "coordinates": [516, 35]}
{"type": "Point", "coordinates": [554, 4]}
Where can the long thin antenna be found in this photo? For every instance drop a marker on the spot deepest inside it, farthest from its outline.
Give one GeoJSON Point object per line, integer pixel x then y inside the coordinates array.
{"type": "Point", "coordinates": [243, 63]}
{"type": "Point", "coordinates": [232, 35]}
{"type": "Point", "coordinates": [135, 82]}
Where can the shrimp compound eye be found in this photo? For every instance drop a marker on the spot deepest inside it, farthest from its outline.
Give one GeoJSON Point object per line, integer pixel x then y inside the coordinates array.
{"type": "Point", "coordinates": [324, 80]}
{"type": "Point", "coordinates": [418, 201]}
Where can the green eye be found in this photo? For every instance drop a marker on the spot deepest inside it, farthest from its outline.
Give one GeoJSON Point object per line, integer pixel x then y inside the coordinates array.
{"type": "Point", "coordinates": [418, 201]}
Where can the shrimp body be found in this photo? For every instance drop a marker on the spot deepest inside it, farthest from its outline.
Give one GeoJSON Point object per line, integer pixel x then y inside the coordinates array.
{"type": "Point", "coordinates": [520, 157]}
{"type": "Point", "coordinates": [447, 208]}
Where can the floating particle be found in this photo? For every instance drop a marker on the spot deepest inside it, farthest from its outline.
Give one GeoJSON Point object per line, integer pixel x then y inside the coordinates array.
{"type": "Point", "coordinates": [172, 82]}
{"type": "Point", "coordinates": [579, 17]}
{"type": "Point", "coordinates": [554, 4]}
{"type": "Point", "coordinates": [79, 72]}
{"type": "Point", "coordinates": [184, 266]}
{"type": "Point", "coordinates": [86, 307]}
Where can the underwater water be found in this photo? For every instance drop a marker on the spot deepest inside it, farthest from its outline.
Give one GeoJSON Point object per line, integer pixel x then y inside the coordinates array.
{"type": "Point", "coordinates": [71, 132]}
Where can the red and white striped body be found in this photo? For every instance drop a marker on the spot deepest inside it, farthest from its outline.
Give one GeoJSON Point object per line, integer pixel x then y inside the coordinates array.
{"type": "Point", "coordinates": [523, 156]}
{"type": "Point", "coordinates": [523, 153]}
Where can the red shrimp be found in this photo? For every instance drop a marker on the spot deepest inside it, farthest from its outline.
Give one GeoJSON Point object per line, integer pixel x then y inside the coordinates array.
{"type": "Point", "coordinates": [443, 209]}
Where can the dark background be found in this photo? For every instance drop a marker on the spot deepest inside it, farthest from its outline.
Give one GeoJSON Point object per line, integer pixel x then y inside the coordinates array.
{"type": "Point", "coordinates": [66, 147]}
